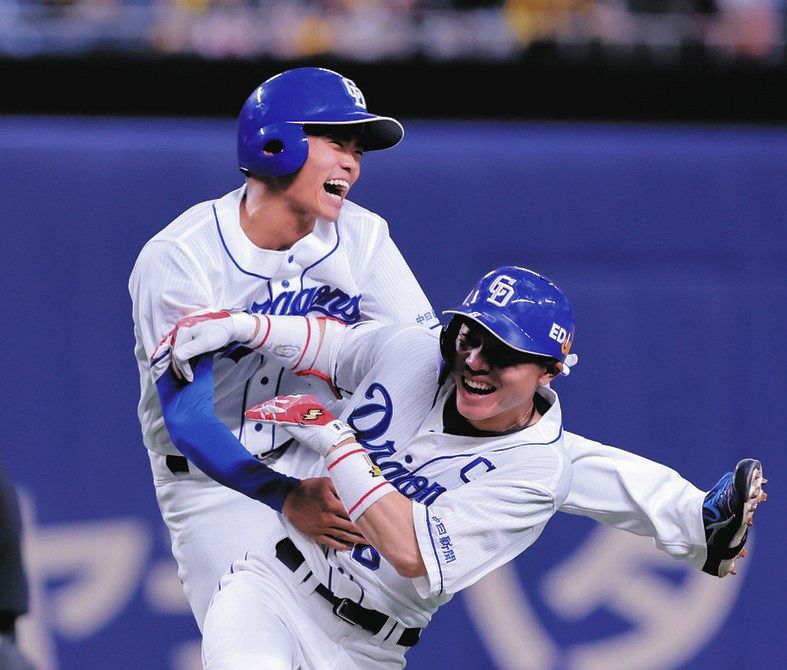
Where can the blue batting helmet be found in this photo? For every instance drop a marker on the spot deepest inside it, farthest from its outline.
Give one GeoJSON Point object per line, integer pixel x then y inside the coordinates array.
{"type": "Point", "coordinates": [523, 309]}
{"type": "Point", "coordinates": [272, 141]}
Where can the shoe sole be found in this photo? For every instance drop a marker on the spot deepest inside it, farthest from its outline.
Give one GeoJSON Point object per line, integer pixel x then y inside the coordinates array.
{"type": "Point", "coordinates": [755, 482]}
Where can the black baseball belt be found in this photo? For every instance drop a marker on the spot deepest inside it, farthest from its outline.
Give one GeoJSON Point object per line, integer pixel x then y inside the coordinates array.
{"type": "Point", "coordinates": [178, 464]}
{"type": "Point", "coordinates": [344, 608]}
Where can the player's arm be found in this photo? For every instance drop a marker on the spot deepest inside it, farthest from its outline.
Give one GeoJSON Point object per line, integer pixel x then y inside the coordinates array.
{"type": "Point", "coordinates": [438, 546]}
{"type": "Point", "coordinates": [311, 504]}
{"type": "Point", "coordinates": [635, 494]}
{"type": "Point", "coordinates": [388, 526]}
{"type": "Point", "coordinates": [167, 283]}
{"type": "Point", "coordinates": [383, 515]}
{"type": "Point", "coordinates": [340, 355]}
{"type": "Point", "coordinates": [641, 496]}
{"type": "Point", "coordinates": [205, 441]}
{"type": "Point", "coordinates": [463, 535]}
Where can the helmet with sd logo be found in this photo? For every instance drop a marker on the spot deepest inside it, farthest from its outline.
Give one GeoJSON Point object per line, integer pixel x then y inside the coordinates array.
{"type": "Point", "coordinates": [272, 137]}
{"type": "Point", "coordinates": [523, 309]}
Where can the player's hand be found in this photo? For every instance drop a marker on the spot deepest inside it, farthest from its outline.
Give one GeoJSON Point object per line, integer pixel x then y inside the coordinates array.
{"type": "Point", "coordinates": [316, 511]}
{"type": "Point", "coordinates": [205, 331]}
{"type": "Point", "coordinates": [305, 418]}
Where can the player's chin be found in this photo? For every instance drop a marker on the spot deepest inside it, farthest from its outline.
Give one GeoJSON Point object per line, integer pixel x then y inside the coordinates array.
{"type": "Point", "coordinates": [476, 414]}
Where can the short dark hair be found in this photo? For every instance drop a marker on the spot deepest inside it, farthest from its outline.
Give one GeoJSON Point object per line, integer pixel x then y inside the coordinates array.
{"type": "Point", "coordinates": [342, 131]}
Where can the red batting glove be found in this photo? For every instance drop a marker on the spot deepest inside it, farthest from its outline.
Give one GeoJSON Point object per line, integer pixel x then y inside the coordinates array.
{"type": "Point", "coordinates": [305, 418]}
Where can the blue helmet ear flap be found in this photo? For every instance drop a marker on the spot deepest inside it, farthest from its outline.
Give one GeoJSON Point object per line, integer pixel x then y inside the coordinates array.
{"type": "Point", "coordinates": [273, 150]}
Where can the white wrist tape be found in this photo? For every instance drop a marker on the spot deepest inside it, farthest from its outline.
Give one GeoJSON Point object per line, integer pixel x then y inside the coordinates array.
{"type": "Point", "coordinates": [321, 438]}
{"type": "Point", "coordinates": [358, 481]}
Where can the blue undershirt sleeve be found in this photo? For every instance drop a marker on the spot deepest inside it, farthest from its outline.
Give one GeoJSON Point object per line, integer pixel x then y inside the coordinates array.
{"type": "Point", "coordinates": [205, 441]}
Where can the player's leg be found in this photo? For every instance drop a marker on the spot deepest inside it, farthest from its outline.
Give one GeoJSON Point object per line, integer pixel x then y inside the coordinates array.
{"type": "Point", "coordinates": [210, 526]}
{"type": "Point", "coordinates": [264, 616]}
{"type": "Point", "coordinates": [242, 629]}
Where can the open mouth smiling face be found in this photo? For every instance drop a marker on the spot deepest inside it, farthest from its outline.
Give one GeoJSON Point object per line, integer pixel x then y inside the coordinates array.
{"type": "Point", "coordinates": [495, 383]}
{"type": "Point", "coordinates": [477, 387]}
{"type": "Point", "coordinates": [336, 188]}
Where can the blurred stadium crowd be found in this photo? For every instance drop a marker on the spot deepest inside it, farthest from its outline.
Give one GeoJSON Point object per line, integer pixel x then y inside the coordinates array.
{"type": "Point", "coordinates": [396, 30]}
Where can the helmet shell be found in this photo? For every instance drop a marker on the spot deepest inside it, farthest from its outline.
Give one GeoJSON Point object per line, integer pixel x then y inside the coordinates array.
{"type": "Point", "coordinates": [272, 141]}
{"type": "Point", "coordinates": [523, 309]}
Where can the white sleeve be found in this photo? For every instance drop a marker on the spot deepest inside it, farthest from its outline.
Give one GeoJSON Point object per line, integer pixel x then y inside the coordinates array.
{"type": "Point", "coordinates": [392, 294]}
{"type": "Point", "coordinates": [634, 494]}
{"type": "Point", "coordinates": [343, 355]}
{"type": "Point", "coordinates": [352, 356]}
{"type": "Point", "coordinates": [165, 285]}
{"type": "Point", "coordinates": [469, 531]}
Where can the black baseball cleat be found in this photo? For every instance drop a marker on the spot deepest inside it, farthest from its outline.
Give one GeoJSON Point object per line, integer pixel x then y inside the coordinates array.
{"type": "Point", "coordinates": [727, 512]}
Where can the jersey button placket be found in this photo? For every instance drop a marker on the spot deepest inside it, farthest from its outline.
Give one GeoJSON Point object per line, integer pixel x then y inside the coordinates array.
{"type": "Point", "coordinates": [259, 433]}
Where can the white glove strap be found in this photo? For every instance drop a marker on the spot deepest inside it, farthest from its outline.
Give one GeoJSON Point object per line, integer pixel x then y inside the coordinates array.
{"type": "Point", "coordinates": [321, 438]}
{"type": "Point", "coordinates": [244, 327]}
{"type": "Point", "coordinates": [357, 480]}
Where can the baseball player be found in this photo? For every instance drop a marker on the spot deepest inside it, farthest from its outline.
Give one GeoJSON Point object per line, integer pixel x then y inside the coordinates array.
{"type": "Point", "coordinates": [289, 242]}
{"type": "Point", "coordinates": [458, 469]}
{"type": "Point", "coordinates": [458, 465]}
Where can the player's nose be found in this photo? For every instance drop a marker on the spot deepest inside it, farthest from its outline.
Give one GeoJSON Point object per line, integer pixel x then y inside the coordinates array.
{"type": "Point", "coordinates": [475, 359]}
{"type": "Point", "coordinates": [349, 159]}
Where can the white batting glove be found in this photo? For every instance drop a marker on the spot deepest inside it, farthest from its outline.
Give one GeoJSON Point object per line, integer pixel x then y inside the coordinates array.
{"type": "Point", "coordinates": [205, 331]}
{"type": "Point", "coordinates": [305, 418]}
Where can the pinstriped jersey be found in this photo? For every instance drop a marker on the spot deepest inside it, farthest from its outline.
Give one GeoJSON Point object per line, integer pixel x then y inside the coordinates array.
{"type": "Point", "coordinates": [349, 269]}
{"type": "Point", "coordinates": [478, 501]}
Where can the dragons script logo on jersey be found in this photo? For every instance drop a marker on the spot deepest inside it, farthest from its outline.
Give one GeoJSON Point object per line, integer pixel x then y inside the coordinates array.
{"type": "Point", "coordinates": [323, 299]}
{"type": "Point", "coordinates": [371, 420]}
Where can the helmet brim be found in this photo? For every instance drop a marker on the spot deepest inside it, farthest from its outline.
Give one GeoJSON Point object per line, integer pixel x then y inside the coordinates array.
{"type": "Point", "coordinates": [503, 328]}
{"type": "Point", "coordinates": [380, 132]}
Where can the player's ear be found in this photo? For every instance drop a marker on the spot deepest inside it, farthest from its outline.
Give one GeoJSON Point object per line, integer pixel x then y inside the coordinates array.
{"type": "Point", "coordinates": [552, 370]}
{"type": "Point", "coordinates": [448, 347]}
{"type": "Point", "coordinates": [448, 341]}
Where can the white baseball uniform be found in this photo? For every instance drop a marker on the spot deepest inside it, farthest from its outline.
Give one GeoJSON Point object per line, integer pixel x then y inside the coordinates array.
{"type": "Point", "coordinates": [478, 501]}
{"type": "Point", "coordinates": [351, 270]}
